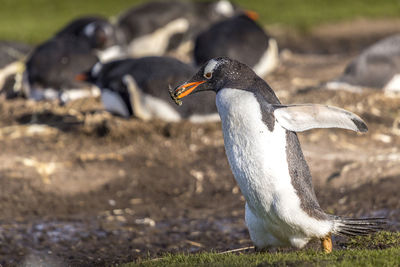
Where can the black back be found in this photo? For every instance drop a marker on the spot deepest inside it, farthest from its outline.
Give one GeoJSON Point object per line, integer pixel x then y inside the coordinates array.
{"type": "Point", "coordinates": [238, 38]}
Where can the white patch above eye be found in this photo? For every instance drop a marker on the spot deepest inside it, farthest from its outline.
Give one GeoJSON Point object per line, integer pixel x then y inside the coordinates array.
{"type": "Point", "coordinates": [211, 65]}
{"type": "Point", "coordinates": [224, 7]}
{"type": "Point", "coordinates": [89, 29]}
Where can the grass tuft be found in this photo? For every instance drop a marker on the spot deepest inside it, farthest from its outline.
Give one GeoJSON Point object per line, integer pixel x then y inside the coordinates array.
{"type": "Point", "coordinates": [380, 240]}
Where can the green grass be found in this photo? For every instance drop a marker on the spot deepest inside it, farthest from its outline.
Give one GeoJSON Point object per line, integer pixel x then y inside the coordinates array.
{"type": "Point", "coordinates": [307, 13]}
{"type": "Point", "coordinates": [385, 252]}
{"type": "Point", "coordinates": [352, 257]}
{"type": "Point", "coordinates": [33, 21]}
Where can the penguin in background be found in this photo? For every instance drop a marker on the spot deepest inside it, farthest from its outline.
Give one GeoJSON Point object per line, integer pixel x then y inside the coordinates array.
{"type": "Point", "coordinates": [158, 27]}
{"type": "Point", "coordinates": [239, 38]}
{"type": "Point", "coordinates": [266, 159]}
{"type": "Point", "coordinates": [51, 68]}
{"type": "Point", "coordinates": [139, 88]}
{"type": "Point", "coordinates": [100, 34]}
{"type": "Point", "coordinates": [378, 66]}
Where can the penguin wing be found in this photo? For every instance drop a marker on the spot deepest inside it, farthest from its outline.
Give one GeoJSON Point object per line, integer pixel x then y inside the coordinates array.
{"type": "Point", "coordinates": [299, 118]}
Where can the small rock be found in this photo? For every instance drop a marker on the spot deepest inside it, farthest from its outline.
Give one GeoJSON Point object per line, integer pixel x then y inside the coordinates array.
{"type": "Point", "coordinates": [146, 221]}
{"type": "Point", "coordinates": [383, 138]}
{"type": "Point", "coordinates": [120, 218]}
{"type": "Point", "coordinates": [118, 212]}
{"type": "Point", "coordinates": [135, 201]}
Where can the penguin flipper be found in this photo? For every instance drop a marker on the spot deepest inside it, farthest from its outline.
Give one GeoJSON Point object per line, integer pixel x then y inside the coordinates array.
{"type": "Point", "coordinates": [299, 118]}
{"type": "Point", "coordinates": [135, 98]}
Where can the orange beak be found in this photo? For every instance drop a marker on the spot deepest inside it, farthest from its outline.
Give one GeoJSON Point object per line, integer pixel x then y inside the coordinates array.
{"type": "Point", "coordinates": [186, 89]}
{"type": "Point", "coordinates": [252, 14]}
{"type": "Point", "coordinates": [81, 77]}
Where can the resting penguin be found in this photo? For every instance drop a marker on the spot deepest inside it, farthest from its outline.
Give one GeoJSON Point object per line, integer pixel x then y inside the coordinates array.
{"type": "Point", "coordinates": [156, 27]}
{"type": "Point", "coordinates": [52, 66]}
{"type": "Point", "coordinates": [266, 158]}
{"type": "Point", "coordinates": [139, 87]}
{"type": "Point", "coordinates": [378, 66]}
{"type": "Point", "coordinates": [51, 69]}
{"type": "Point", "coordinates": [239, 38]}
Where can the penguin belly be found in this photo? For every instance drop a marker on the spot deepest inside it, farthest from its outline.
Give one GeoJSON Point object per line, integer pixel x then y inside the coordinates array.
{"type": "Point", "coordinates": [258, 160]}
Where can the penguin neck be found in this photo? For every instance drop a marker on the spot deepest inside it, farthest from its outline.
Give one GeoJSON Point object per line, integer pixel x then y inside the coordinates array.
{"type": "Point", "coordinates": [255, 85]}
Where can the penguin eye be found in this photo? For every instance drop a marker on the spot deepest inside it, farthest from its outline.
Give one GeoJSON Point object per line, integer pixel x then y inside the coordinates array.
{"type": "Point", "coordinates": [208, 75]}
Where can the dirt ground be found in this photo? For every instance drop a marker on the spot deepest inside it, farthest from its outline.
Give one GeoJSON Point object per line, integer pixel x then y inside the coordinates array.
{"type": "Point", "coordinates": [81, 187]}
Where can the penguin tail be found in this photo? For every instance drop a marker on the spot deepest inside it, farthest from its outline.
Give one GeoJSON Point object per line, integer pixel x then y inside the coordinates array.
{"type": "Point", "coordinates": [354, 227]}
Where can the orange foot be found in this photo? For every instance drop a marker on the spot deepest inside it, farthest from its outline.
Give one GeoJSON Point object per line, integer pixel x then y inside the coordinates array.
{"type": "Point", "coordinates": [326, 243]}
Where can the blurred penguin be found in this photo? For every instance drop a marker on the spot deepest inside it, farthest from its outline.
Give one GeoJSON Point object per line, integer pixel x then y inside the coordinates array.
{"type": "Point", "coordinates": [52, 66]}
{"type": "Point", "coordinates": [101, 35]}
{"type": "Point", "coordinates": [139, 87]}
{"type": "Point", "coordinates": [378, 66]}
{"type": "Point", "coordinates": [155, 28]}
{"type": "Point", "coordinates": [239, 38]}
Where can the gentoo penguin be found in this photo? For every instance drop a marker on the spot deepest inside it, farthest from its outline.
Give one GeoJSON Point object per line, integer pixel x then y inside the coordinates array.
{"type": "Point", "coordinates": [139, 87]}
{"type": "Point", "coordinates": [12, 56]}
{"type": "Point", "coordinates": [378, 66]}
{"type": "Point", "coordinates": [266, 158]}
{"type": "Point", "coordinates": [155, 27]}
{"type": "Point", "coordinates": [51, 69]}
{"type": "Point", "coordinates": [102, 36]}
{"type": "Point", "coordinates": [240, 38]}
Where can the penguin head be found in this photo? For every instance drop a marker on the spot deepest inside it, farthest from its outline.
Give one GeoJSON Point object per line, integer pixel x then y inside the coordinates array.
{"type": "Point", "coordinates": [100, 34]}
{"type": "Point", "coordinates": [217, 73]}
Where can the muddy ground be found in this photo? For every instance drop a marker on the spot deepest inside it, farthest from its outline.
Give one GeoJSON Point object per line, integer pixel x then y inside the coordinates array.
{"type": "Point", "coordinates": [81, 187]}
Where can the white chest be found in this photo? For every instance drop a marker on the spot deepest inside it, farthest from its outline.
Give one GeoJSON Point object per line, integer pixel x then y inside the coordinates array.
{"type": "Point", "coordinates": [257, 156]}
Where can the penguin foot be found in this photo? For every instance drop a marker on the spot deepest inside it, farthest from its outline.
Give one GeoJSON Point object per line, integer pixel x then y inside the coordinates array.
{"type": "Point", "coordinates": [326, 243]}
